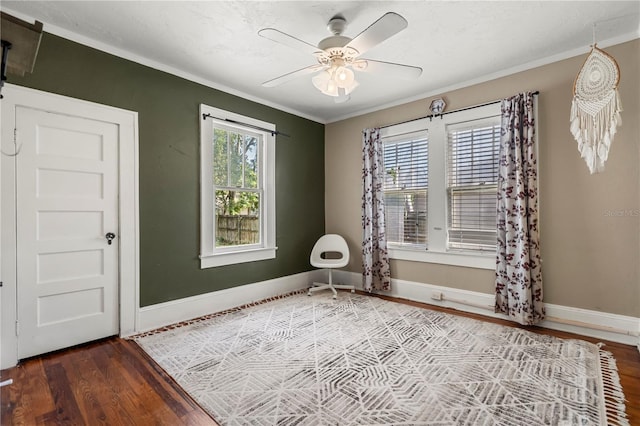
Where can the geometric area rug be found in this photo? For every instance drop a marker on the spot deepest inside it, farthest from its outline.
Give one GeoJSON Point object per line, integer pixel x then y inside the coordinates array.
{"type": "Point", "coordinates": [361, 360]}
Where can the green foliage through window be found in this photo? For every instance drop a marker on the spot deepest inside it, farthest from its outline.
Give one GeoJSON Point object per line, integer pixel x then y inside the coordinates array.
{"type": "Point", "coordinates": [237, 186]}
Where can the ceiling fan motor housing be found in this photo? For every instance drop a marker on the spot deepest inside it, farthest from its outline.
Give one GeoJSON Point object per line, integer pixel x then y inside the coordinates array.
{"type": "Point", "coordinates": [333, 46]}
{"type": "Point", "coordinates": [333, 41]}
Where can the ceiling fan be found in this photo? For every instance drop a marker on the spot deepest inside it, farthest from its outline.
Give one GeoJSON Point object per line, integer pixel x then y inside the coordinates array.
{"type": "Point", "coordinates": [338, 56]}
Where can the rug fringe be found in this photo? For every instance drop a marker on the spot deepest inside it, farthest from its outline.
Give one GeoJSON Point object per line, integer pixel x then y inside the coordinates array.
{"type": "Point", "coordinates": [612, 390]}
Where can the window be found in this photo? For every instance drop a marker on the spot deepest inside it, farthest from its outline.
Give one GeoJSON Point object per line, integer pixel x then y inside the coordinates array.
{"type": "Point", "coordinates": [405, 189]}
{"type": "Point", "coordinates": [237, 221]}
{"type": "Point", "coordinates": [238, 189]}
{"type": "Point", "coordinates": [440, 188]}
{"type": "Point", "coordinates": [472, 177]}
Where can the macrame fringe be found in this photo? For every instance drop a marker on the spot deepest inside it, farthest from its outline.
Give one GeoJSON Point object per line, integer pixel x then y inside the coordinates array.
{"type": "Point", "coordinates": [594, 129]}
{"type": "Point", "coordinates": [612, 390]}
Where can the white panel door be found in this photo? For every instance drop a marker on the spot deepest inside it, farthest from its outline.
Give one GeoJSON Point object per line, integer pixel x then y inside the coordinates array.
{"type": "Point", "coordinates": [67, 201]}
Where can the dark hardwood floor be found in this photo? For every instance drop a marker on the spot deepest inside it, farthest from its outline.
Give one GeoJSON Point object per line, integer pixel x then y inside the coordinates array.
{"type": "Point", "coordinates": [107, 382]}
{"type": "Point", "coordinates": [113, 382]}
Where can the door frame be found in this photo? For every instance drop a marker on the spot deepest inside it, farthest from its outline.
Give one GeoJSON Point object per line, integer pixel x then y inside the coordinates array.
{"type": "Point", "coordinates": [128, 209]}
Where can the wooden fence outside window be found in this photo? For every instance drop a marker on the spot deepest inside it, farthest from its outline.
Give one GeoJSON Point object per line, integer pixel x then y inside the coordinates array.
{"type": "Point", "coordinates": [233, 230]}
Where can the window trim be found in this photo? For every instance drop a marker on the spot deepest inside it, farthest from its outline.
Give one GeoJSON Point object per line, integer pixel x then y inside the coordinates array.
{"type": "Point", "coordinates": [211, 257]}
{"type": "Point", "coordinates": [455, 258]}
{"type": "Point", "coordinates": [437, 251]}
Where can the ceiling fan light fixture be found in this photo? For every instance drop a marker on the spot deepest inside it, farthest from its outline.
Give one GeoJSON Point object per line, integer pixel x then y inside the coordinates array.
{"type": "Point", "coordinates": [332, 88]}
{"type": "Point", "coordinates": [344, 77]}
{"type": "Point", "coordinates": [321, 82]}
{"type": "Point", "coordinates": [335, 80]}
{"type": "Point", "coordinates": [352, 87]}
{"type": "Point", "coordinates": [342, 97]}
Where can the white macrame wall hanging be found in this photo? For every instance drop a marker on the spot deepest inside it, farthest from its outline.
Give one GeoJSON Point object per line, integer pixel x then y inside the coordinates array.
{"type": "Point", "coordinates": [596, 107]}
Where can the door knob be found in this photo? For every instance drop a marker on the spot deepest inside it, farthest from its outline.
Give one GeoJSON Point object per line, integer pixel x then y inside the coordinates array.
{"type": "Point", "coordinates": [110, 236]}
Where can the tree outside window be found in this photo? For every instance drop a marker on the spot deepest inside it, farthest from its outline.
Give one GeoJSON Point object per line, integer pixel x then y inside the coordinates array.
{"type": "Point", "coordinates": [237, 187]}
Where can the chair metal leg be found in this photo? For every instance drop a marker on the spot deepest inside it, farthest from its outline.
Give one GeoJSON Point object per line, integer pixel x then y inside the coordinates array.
{"type": "Point", "coordinates": [331, 286]}
{"type": "Point", "coordinates": [345, 287]}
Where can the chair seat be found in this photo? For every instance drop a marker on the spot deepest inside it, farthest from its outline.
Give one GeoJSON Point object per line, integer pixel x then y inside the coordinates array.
{"type": "Point", "coordinates": [330, 263]}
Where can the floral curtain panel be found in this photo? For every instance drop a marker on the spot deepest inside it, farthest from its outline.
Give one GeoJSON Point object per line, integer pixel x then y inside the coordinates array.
{"type": "Point", "coordinates": [518, 269]}
{"type": "Point", "coordinates": [376, 274]}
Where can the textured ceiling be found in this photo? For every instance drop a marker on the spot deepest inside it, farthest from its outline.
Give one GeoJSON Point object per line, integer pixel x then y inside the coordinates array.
{"type": "Point", "coordinates": [217, 42]}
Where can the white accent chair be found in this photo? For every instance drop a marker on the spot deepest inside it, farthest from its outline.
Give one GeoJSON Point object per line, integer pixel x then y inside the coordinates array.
{"type": "Point", "coordinates": [330, 243]}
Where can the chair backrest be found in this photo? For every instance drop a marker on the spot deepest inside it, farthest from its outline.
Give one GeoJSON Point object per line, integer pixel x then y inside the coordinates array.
{"type": "Point", "coordinates": [330, 243]}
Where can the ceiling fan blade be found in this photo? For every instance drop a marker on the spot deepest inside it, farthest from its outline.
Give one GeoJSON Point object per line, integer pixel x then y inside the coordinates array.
{"type": "Point", "coordinates": [287, 40]}
{"type": "Point", "coordinates": [388, 25]}
{"type": "Point", "coordinates": [293, 75]}
{"type": "Point", "coordinates": [408, 72]}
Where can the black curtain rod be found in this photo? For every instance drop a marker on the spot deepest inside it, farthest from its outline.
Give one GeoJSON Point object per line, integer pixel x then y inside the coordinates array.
{"type": "Point", "coordinates": [430, 116]}
{"type": "Point", "coordinates": [228, 120]}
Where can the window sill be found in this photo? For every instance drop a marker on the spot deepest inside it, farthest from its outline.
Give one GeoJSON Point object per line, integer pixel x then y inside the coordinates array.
{"type": "Point", "coordinates": [466, 259]}
{"type": "Point", "coordinates": [232, 258]}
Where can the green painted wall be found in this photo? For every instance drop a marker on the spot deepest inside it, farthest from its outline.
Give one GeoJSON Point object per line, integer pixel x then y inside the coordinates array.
{"type": "Point", "coordinates": [167, 109]}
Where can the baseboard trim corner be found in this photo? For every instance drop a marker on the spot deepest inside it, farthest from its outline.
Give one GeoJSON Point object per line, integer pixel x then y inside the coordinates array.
{"type": "Point", "coordinates": [175, 311]}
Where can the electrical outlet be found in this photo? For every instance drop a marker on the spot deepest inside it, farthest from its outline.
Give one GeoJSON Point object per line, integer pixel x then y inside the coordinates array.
{"type": "Point", "coordinates": [436, 295]}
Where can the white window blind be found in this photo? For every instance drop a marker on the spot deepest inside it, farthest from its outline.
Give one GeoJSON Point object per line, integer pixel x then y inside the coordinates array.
{"type": "Point", "coordinates": [406, 183]}
{"type": "Point", "coordinates": [472, 174]}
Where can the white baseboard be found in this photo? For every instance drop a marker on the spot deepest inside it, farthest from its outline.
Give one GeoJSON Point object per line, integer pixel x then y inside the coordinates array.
{"type": "Point", "coordinates": [623, 329]}
{"type": "Point", "coordinates": [617, 328]}
{"type": "Point", "coordinates": [162, 314]}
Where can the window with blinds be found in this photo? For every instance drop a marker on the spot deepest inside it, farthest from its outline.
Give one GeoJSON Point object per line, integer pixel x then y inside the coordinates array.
{"type": "Point", "coordinates": [406, 159]}
{"type": "Point", "coordinates": [472, 175]}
